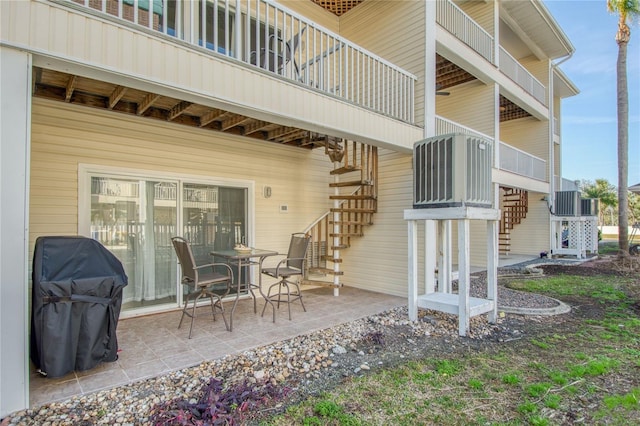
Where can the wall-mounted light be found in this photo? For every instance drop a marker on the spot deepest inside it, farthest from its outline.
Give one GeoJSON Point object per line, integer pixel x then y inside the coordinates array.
{"type": "Point", "coordinates": [266, 191]}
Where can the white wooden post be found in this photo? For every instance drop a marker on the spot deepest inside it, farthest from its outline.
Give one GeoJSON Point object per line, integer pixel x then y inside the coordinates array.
{"type": "Point", "coordinates": [430, 236]}
{"type": "Point", "coordinates": [492, 265]}
{"type": "Point", "coordinates": [412, 228]}
{"type": "Point", "coordinates": [463, 276]}
{"type": "Point", "coordinates": [445, 259]}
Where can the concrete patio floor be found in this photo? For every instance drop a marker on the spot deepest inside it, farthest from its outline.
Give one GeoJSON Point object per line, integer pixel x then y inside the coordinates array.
{"type": "Point", "coordinates": [153, 345]}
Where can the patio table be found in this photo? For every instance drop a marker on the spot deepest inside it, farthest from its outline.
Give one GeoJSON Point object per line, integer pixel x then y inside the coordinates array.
{"type": "Point", "coordinates": [244, 258]}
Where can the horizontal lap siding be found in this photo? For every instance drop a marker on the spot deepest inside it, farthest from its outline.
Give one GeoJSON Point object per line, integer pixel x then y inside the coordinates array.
{"type": "Point", "coordinates": [471, 105]}
{"type": "Point", "coordinates": [393, 30]}
{"type": "Point", "coordinates": [481, 13]}
{"type": "Point", "coordinates": [528, 135]}
{"type": "Point", "coordinates": [378, 262]}
{"type": "Point", "coordinates": [532, 235]}
{"type": "Point", "coordinates": [64, 136]}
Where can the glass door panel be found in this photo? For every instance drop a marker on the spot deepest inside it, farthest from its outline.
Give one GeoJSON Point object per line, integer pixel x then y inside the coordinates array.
{"type": "Point", "coordinates": [136, 219]}
{"type": "Point", "coordinates": [214, 218]}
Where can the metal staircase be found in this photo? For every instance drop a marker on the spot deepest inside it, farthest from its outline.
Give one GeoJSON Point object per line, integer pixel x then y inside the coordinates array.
{"type": "Point", "coordinates": [355, 202]}
{"type": "Point", "coordinates": [514, 206]}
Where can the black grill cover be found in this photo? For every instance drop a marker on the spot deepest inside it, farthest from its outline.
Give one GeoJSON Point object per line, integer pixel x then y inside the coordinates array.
{"type": "Point", "coordinates": [76, 298]}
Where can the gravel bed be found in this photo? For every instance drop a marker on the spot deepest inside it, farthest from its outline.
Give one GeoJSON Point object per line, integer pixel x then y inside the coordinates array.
{"type": "Point", "coordinates": [311, 362]}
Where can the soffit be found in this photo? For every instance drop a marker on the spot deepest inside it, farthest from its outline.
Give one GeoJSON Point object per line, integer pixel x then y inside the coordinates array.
{"type": "Point", "coordinates": [562, 86]}
{"type": "Point", "coordinates": [532, 21]}
{"type": "Point", "coordinates": [338, 7]}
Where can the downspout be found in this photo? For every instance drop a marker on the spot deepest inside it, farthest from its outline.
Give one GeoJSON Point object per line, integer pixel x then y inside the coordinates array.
{"type": "Point", "coordinates": [552, 183]}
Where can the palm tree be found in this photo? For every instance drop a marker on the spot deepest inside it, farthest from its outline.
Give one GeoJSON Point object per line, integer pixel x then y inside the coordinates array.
{"type": "Point", "coordinates": [603, 191]}
{"type": "Point", "coordinates": [626, 10]}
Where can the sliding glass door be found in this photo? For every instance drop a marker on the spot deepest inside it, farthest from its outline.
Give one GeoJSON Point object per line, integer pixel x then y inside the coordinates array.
{"type": "Point", "coordinates": [135, 219]}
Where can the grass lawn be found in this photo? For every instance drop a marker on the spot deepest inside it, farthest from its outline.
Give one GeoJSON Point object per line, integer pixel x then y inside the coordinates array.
{"type": "Point", "coordinates": [585, 371]}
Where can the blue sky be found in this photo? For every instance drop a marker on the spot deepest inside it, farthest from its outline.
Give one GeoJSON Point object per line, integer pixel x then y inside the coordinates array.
{"type": "Point", "coordinates": [589, 120]}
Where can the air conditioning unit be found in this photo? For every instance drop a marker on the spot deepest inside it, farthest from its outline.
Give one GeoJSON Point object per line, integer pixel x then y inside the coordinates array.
{"type": "Point", "coordinates": [568, 203]}
{"type": "Point", "coordinates": [452, 170]}
{"type": "Point", "coordinates": [589, 207]}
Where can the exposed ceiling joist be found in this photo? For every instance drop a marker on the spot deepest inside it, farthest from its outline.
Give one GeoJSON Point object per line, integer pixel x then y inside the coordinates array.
{"type": "Point", "coordinates": [71, 85]}
{"type": "Point", "coordinates": [178, 109]}
{"type": "Point", "coordinates": [146, 103]}
{"type": "Point", "coordinates": [116, 95]}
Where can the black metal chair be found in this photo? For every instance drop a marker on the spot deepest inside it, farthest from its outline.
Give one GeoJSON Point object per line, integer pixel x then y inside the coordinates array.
{"type": "Point", "coordinates": [288, 269]}
{"type": "Point", "coordinates": [203, 281]}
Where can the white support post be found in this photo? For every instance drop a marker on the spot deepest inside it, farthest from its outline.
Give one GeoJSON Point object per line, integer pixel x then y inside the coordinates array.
{"type": "Point", "coordinates": [412, 233]}
{"type": "Point", "coordinates": [445, 266]}
{"type": "Point", "coordinates": [492, 265]}
{"type": "Point", "coordinates": [430, 236]}
{"type": "Point", "coordinates": [463, 277]}
{"type": "Point", "coordinates": [15, 141]}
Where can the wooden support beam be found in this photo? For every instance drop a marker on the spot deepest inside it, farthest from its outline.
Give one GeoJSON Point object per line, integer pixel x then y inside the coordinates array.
{"type": "Point", "coordinates": [71, 85]}
{"type": "Point", "coordinates": [280, 132]}
{"type": "Point", "coordinates": [146, 103]}
{"type": "Point", "coordinates": [178, 109]}
{"type": "Point", "coordinates": [298, 134]}
{"type": "Point", "coordinates": [254, 127]}
{"type": "Point", "coordinates": [116, 95]}
{"type": "Point", "coordinates": [37, 79]}
{"type": "Point", "coordinates": [211, 116]}
{"type": "Point", "coordinates": [233, 121]}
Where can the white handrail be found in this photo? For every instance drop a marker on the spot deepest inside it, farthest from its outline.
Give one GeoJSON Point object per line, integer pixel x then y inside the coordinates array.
{"type": "Point", "coordinates": [463, 27]}
{"type": "Point", "coordinates": [520, 162]}
{"type": "Point", "coordinates": [523, 78]}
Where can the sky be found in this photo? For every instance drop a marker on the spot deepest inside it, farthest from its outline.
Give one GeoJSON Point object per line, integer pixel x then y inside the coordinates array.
{"type": "Point", "coordinates": [589, 120]}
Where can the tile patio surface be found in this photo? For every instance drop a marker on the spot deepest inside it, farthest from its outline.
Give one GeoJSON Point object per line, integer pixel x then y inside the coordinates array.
{"type": "Point", "coordinates": [153, 345]}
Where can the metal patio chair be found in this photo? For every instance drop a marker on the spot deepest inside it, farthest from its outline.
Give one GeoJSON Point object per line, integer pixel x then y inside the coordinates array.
{"type": "Point", "coordinates": [202, 280]}
{"type": "Point", "coordinates": [288, 272]}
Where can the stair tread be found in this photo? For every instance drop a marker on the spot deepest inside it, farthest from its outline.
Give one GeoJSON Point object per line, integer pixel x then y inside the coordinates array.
{"type": "Point", "coordinates": [350, 183]}
{"type": "Point", "coordinates": [352, 210]}
{"type": "Point", "coordinates": [353, 197]}
{"type": "Point", "coordinates": [345, 169]}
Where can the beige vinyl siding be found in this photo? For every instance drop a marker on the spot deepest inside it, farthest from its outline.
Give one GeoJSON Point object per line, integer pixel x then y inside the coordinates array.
{"type": "Point", "coordinates": [539, 69]}
{"type": "Point", "coordinates": [528, 135]}
{"type": "Point", "coordinates": [393, 30]}
{"type": "Point", "coordinates": [378, 261]}
{"type": "Point", "coordinates": [481, 12]}
{"type": "Point", "coordinates": [65, 136]}
{"type": "Point", "coordinates": [471, 105]}
{"type": "Point", "coordinates": [532, 235]}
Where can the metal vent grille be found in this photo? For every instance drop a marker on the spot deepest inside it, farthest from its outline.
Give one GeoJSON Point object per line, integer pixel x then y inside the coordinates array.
{"type": "Point", "coordinates": [567, 203]}
{"type": "Point", "coordinates": [452, 170]}
{"type": "Point", "coordinates": [589, 207]}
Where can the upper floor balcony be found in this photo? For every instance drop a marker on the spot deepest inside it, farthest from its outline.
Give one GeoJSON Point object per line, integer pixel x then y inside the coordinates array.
{"type": "Point", "coordinates": [270, 38]}
{"type": "Point", "coordinates": [453, 19]}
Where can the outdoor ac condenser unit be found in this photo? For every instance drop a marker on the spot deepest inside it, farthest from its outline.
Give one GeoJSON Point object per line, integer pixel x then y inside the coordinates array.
{"type": "Point", "coordinates": [567, 203]}
{"type": "Point", "coordinates": [452, 170]}
{"type": "Point", "coordinates": [589, 207]}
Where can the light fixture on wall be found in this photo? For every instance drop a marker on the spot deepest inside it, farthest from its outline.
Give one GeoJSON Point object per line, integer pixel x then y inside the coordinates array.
{"type": "Point", "coordinates": [439, 92]}
{"type": "Point", "coordinates": [266, 191]}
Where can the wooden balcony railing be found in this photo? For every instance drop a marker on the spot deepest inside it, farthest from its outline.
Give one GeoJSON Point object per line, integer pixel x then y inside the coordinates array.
{"type": "Point", "coordinates": [267, 35]}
